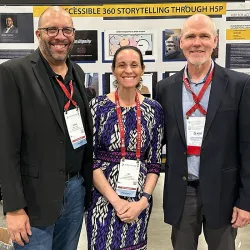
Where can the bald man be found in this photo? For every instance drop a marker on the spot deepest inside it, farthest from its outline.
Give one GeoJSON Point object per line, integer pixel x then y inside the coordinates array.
{"type": "Point", "coordinates": [207, 124]}
{"type": "Point", "coordinates": [46, 140]}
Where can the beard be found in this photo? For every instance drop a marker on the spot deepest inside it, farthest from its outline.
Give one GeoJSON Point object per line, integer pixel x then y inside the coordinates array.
{"type": "Point", "coordinates": [198, 62]}
{"type": "Point", "coordinates": [50, 55]}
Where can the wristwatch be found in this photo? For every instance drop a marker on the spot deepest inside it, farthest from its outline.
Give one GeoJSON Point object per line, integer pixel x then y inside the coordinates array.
{"type": "Point", "coordinates": [148, 196]}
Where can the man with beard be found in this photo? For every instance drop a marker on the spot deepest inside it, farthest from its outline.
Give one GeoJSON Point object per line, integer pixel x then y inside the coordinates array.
{"type": "Point", "coordinates": [46, 140]}
{"type": "Point", "coordinates": [207, 124]}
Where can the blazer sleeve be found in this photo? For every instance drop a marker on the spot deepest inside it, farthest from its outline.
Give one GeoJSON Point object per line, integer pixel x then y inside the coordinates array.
{"type": "Point", "coordinates": [243, 201]}
{"type": "Point", "coordinates": [10, 142]}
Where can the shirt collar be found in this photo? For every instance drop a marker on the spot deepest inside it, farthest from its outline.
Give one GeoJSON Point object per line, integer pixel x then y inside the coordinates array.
{"type": "Point", "coordinates": [52, 74]}
{"type": "Point", "coordinates": [202, 80]}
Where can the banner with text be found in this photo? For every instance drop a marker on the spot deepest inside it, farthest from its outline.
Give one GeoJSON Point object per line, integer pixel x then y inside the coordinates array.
{"type": "Point", "coordinates": [141, 10]}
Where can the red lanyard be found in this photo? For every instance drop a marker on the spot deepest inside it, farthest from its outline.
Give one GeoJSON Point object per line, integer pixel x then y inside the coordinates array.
{"type": "Point", "coordinates": [69, 95]}
{"type": "Point", "coordinates": [121, 125]}
{"type": "Point", "coordinates": [198, 98]}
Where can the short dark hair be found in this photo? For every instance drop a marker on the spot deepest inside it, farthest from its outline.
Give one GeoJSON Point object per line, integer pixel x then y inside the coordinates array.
{"type": "Point", "coordinates": [8, 18]}
{"type": "Point", "coordinates": [124, 48]}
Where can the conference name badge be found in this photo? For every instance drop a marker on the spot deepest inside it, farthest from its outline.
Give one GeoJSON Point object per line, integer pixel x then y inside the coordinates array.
{"type": "Point", "coordinates": [128, 178]}
{"type": "Point", "coordinates": [75, 127]}
{"type": "Point", "coordinates": [195, 131]}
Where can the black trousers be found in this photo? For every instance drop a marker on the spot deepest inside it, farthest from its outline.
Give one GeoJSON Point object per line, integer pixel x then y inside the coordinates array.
{"type": "Point", "coordinates": [186, 233]}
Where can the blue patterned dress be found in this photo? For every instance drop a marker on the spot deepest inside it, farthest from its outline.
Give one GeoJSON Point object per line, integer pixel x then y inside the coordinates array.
{"type": "Point", "coordinates": [105, 230]}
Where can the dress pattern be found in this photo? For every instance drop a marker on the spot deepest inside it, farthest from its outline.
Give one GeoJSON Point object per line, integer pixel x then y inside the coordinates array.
{"type": "Point", "coordinates": [105, 230]}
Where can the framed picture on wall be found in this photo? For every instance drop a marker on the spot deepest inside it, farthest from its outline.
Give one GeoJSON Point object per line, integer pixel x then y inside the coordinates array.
{"type": "Point", "coordinates": [91, 83]}
{"type": "Point", "coordinates": [145, 40]}
{"type": "Point", "coordinates": [16, 28]}
{"type": "Point", "coordinates": [85, 46]}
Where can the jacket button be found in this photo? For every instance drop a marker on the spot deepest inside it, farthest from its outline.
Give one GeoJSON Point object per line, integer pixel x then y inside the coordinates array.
{"type": "Point", "coordinates": [184, 178]}
{"type": "Point", "coordinates": [61, 142]}
{"type": "Point", "coordinates": [185, 153]}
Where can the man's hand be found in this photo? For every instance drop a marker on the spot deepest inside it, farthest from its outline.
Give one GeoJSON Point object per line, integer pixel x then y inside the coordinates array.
{"type": "Point", "coordinates": [18, 225]}
{"type": "Point", "coordinates": [240, 218]}
{"type": "Point", "coordinates": [132, 210]}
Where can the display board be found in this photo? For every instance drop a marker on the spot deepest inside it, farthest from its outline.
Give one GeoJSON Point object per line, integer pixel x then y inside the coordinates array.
{"type": "Point", "coordinates": [153, 28]}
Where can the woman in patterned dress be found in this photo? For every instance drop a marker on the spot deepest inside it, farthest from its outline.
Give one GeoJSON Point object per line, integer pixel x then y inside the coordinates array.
{"type": "Point", "coordinates": [119, 214]}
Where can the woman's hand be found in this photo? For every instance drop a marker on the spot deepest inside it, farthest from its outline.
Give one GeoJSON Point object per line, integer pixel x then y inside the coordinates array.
{"type": "Point", "coordinates": [132, 210]}
{"type": "Point", "coordinates": [119, 205]}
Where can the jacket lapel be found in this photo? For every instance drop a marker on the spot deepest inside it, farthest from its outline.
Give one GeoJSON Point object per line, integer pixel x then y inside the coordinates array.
{"type": "Point", "coordinates": [218, 87]}
{"type": "Point", "coordinates": [176, 89]}
{"type": "Point", "coordinates": [44, 81]}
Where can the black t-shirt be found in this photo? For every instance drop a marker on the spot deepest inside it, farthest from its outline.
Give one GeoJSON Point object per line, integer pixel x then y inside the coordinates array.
{"type": "Point", "coordinates": [74, 157]}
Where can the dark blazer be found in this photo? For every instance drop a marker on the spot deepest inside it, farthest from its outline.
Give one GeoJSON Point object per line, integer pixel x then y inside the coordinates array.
{"type": "Point", "coordinates": [12, 30]}
{"type": "Point", "coordinates": [32, 137]}
{"type": "Point", "coordinates": [225, 151]}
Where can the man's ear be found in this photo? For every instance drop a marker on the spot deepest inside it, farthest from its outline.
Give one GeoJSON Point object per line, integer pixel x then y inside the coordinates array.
{"type": "Point", "coordinates": [38, 34]}
{"type": "Point", "coordinates": [181, 42]}
{"type": "Point", "coordinates": [216, 40]}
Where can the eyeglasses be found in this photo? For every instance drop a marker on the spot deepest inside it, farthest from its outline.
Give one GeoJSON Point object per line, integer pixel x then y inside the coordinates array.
{"type": "Point", "coordinates": [53, 31]}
